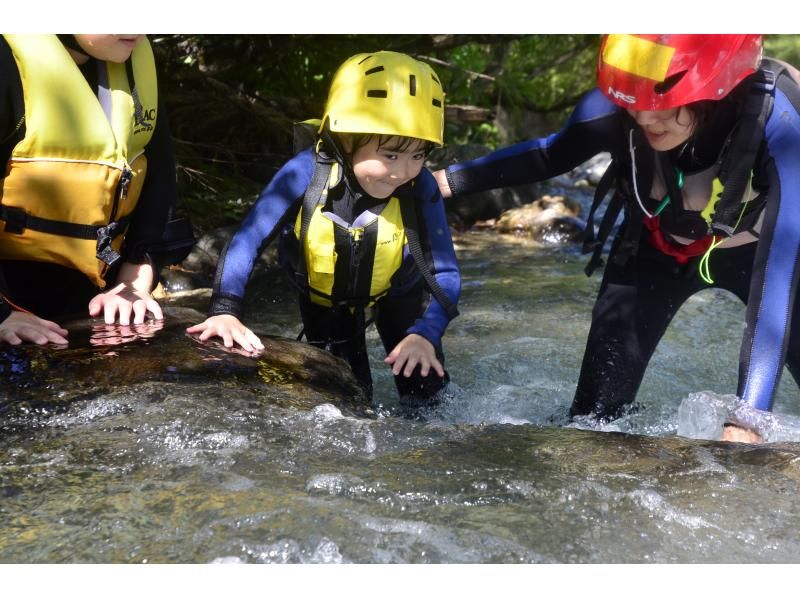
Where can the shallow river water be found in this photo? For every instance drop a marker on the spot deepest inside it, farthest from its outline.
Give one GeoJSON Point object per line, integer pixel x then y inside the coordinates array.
{"type": "Point", "coordinates": [194, 473]}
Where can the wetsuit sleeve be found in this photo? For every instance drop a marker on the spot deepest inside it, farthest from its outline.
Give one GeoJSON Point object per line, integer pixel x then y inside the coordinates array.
{"type": "Point", "coordinates": [159, 191]}
{"type": "Point", "coordinates": [593, 127]}
{"type": "Point", "coordinates": [434, 319]}
{"type": "Point", "coordinates": [278, 203]}
{"type": "Point", "coordinates": [775, 269]}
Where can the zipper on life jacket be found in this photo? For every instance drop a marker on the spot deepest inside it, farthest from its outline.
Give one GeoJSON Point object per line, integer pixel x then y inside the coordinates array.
{"type": "Point", "coordinates": [355, 260]}
{"type": "Point", "coordinates": [122, 190]}
{"type": "Point", "coordinates": [106, 235]}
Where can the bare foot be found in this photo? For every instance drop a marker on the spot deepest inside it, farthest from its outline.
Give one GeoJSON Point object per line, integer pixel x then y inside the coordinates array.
{"type": "Point", "coordinates": [733, 433]}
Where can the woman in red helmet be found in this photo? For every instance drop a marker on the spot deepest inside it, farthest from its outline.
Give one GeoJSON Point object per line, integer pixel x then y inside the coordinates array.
{"type": "Point", "coordinates": [702, 118]}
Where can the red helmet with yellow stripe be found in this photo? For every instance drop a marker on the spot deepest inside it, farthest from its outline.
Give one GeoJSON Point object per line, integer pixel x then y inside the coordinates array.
{"type": "Point", "coordinates": [658, 72]}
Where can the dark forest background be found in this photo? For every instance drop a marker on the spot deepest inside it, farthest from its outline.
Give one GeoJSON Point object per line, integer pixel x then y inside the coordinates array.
{"type": "Point", "coordinates": [232, 99]}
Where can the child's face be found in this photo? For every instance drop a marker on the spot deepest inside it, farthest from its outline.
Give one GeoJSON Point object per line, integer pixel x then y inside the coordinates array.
{"type": "Point", "coordinates": [665, 129]}
{"type": "Point", "coordinates": [113, 48]}
{"type": "Point", "coordinates": [381, 170]}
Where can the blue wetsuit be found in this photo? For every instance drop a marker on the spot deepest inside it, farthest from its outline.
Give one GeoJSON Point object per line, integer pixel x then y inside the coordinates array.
{"type": "Point", "coordinates": [641, 293]}
{"type": "Point", "coordinates": [408, 308]}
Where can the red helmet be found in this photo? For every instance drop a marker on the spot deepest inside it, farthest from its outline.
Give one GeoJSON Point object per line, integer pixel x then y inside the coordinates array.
{"type": "Point", "coordinates": [658, 72]}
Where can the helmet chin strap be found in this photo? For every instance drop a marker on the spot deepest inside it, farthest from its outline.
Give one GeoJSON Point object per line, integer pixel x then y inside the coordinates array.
{"type": "Point", "coordinates": [333, 145]}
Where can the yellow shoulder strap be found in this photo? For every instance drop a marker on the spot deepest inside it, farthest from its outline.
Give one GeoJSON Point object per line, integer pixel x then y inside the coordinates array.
{"type": "Point", "coordinates": [64, 119]}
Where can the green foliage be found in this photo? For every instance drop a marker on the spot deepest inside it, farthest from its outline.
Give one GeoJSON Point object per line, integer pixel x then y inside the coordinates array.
{"type": "Point", "coordinates": [545, 71]}
{"type": "Point", "coordinates": [232, 99]}
{"type": "Point", "coordinates": [783, 47]}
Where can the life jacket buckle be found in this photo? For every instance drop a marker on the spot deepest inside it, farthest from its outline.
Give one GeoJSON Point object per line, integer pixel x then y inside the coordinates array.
{"type": "Point", "coordinates": [765, 82]}
{"type": "Point", "coordinates": [105, 252]}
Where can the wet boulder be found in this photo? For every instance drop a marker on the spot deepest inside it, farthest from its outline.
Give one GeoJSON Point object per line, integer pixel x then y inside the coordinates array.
{"type": "Point", "coordinates": [102, 358]}
{"type": "Point", "coordinates": [549, 219]}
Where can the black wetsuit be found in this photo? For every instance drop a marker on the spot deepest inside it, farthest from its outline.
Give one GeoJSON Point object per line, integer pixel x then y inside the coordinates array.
{"type": "Point", "coordinates": [53, 291]}
{"type": "Point", "coordinates": [640, 295]}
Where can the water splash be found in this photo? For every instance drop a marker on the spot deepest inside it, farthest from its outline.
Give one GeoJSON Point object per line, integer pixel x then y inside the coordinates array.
{"type": "Point", "coordinates": [702, 415]}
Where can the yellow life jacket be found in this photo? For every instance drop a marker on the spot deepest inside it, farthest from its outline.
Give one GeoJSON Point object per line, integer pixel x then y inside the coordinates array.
{"type": "Point", "coordinates": [73, 181]}
{"type": "Point", "coordinates": [351, 263]}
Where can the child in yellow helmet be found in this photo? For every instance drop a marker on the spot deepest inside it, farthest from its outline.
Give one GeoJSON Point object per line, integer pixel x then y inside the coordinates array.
{"type": "Point", "coordinates": [361, 224]}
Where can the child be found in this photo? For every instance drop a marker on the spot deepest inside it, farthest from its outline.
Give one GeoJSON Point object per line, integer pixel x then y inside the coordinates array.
{"type": "Point", "coordinates": [688, 120]}
{"type": "Point", "coordinates": [361, 223]}
{"type": "Point", "coordinates": [88, 182]}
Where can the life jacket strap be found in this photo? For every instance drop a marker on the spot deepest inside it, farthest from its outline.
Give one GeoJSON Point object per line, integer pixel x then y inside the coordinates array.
{"type": "Point", "coordinates": [323, 164]}
{"type": "Point", "coordinates": [739, 156]}
{"type": "Point", "coordinates": [590, 240]}
{"type": "Point", "coordinates": [594, 242]}
{"type": "Point", "coordinates": [18, 220]}
{"type": "Point", "coordinates": [409, 214]}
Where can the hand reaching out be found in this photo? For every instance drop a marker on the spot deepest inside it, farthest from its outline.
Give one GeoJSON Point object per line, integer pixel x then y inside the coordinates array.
{"type": "Point", "coordinates": [123, 301]}
{"type": "Point", "coordinates": [131, 295]}
{"type": "Point", "coordinates": [230, 329]}
{"type": "Point", "coordinates": [444, 186]}
{"type": "Point", "coordinates": [414, 350]}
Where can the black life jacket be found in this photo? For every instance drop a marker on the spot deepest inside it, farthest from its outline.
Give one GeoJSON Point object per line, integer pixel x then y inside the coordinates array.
{"type": "Point", "coordinates": [736, 161]}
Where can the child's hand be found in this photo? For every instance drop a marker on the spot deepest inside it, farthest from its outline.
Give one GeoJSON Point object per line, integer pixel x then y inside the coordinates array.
{"type": "Point", "coordinates": [230, 329]}
{"type": "Point", "coordinates": [412, 350]}
{"type": "Point", "coordinates": [444, 186]}
{"type": "Point", "coordinates": [124, 301]}
{"type": "Point", "coordinates": [22, 326]}
{"type": "Point", "coordinates": [129, 296]}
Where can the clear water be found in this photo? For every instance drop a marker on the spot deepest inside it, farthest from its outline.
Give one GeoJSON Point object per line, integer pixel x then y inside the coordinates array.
{"type": "Point", "coordinates": [176, 473]}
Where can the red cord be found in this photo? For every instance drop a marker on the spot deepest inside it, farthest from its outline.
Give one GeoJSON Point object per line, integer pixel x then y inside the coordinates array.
{"type": "Point", "coordinates": [15, 306]}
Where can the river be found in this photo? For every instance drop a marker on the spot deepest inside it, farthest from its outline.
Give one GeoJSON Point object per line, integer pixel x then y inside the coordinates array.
{"type": "Point", "coordinates": [194, 473]}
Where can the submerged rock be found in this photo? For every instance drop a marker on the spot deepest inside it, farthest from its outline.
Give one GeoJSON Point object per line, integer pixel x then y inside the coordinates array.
{"type": "Point", "coordinates": [102, 358]}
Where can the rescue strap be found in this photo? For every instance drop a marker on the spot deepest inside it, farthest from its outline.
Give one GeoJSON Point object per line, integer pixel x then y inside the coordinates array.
{"type": "Point", "coordinates": [681, 253]}
{"type": "Point", "coordinates": [17, 220]}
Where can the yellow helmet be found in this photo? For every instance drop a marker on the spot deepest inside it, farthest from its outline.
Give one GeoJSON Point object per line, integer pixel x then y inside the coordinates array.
{"type": "Point", "coordinates": [386, 93]}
